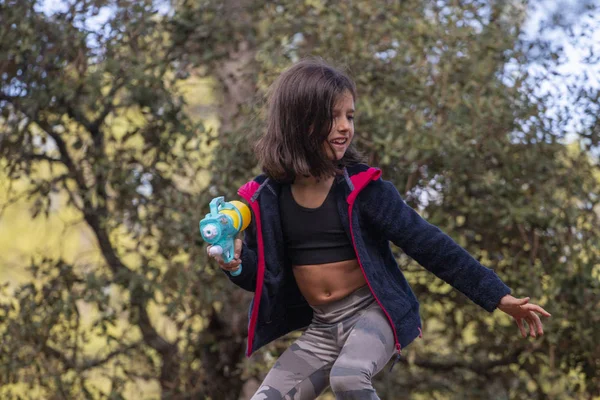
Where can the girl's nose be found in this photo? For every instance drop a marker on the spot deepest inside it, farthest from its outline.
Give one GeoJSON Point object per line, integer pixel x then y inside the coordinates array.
{"type": "Point", "coordinates": [343, 124]}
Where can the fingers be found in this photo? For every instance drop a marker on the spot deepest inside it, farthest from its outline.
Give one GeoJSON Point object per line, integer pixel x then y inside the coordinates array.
{"type": "Point", "coordinates": [537, 309]}
{"type": "Point", "coordinates": [234, 265]}
{"type": "Point", "coordinates": [523, 301]}
{"type": "Point", "coordinates": [538, 323]}
{"type": "Point", "coordinates": [534, 323]}
{"type": "Point", "coordinates": [527, 313]}
{"type": "Point", "coordinates": [531, 327]}
{"type": "Point", "coordinates": [521, 327]}
{"type": "Point", "coordinates": [237, 246]}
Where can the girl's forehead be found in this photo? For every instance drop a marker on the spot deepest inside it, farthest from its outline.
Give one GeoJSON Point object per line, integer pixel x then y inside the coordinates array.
{"type": "Point", "coordinates": [345, 101]}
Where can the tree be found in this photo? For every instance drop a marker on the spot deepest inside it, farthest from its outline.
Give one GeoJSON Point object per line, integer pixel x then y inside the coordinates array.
{"type": "Point", "coordinates": [447, 107]}
{"type": "Point", "coordinates": [93, 120]}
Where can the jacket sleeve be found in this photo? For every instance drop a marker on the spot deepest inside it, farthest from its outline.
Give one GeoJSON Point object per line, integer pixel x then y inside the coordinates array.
{"type": "Point", "coordinates": [429, 246]}
{"type": "Point", "coordinates": [247, 279]}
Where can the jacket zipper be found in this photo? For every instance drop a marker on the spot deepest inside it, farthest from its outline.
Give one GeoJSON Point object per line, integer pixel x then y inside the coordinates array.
{"type": "Point", "coordinates": [398, 347]}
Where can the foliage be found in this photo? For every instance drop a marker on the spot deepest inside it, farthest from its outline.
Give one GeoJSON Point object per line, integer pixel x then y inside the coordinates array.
{"type": "Point", "coordinates": [94, 119]}
{"type": "Point", "coordinates": [447, 108]}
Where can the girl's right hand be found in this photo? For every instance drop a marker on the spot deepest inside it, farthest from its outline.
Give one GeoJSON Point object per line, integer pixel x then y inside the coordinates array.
{"type": "Point", "coordinates": [234, 265]}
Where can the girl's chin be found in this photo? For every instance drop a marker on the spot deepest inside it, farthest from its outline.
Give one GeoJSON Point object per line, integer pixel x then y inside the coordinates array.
{"type": "Point", "coordinates": [339, 154]}
{"type": "Point", "coordinates": [336, 157]}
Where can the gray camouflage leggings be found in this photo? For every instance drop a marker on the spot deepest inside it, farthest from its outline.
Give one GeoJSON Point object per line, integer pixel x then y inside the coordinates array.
{"type": "Point", "coordinates": [347, 343]}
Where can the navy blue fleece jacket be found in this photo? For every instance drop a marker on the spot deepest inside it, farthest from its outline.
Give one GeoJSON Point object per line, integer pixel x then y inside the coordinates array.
{"type": "Point", "coordinates": [373, 214]}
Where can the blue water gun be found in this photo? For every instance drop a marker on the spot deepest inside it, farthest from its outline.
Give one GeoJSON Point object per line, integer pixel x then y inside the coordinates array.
{"type": "Point", "coordinates": [221, 225]}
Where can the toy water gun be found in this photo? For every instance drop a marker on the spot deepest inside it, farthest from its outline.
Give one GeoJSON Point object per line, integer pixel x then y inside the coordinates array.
{"type": "Point", "coordinates": [220, 227]}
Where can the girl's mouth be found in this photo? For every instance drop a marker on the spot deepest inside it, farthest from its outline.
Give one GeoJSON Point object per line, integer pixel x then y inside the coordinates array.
{"type": "Point", "coordinates": [340, 142]}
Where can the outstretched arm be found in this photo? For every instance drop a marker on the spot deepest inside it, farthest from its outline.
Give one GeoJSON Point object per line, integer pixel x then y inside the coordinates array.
{"type": "Point", "coordinates": [429, 246]}
{"type": "Point", "coordinates": [438, 253]}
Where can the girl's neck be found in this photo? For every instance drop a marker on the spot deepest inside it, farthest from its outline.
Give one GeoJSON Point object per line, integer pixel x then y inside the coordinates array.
{"type": "Point", "coordinates": [311, 181]}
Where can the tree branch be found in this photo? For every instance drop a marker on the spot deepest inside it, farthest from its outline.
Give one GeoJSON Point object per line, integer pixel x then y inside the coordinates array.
{"type": "Point", "coordinates": [71, 364]}
{"type": "Point", "coordinates": [41, 157]}
{"type": "Point", "coordinates": [94, 363]}
{"type": "Point", "coordinates": [94, 217]}
{"type": "Point", "coordinates": [107, 107]}
{"type": "Point", "coordinates": [65, 157]}
{"type": "Point", "coordinates": [479, 367]}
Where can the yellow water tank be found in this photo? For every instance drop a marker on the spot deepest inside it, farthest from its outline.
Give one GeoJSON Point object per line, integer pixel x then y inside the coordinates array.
{"type": "Point", "coordinates": [235, 217]}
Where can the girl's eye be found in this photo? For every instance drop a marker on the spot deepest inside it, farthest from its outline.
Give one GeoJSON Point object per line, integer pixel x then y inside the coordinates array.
{"type": "Point", "coordinates": [350, 117]}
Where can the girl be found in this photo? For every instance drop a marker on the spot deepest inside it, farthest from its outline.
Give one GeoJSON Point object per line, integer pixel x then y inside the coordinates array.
{"type": "Point", "coordinates": [317, 254]}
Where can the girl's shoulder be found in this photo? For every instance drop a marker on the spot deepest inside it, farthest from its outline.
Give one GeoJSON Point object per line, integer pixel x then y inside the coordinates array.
{"type": "Point", "coordinates": [357, 168]}
{"type": "Point", "coordinates": [373, 189]}
{"type": "Point", "coordinates": [250, 188]}
{"type": "Point", "coordinates": [362, 175]}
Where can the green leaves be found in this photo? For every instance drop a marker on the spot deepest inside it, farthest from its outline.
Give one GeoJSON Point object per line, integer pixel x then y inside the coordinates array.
{"type": "Point", "coordinates": [447, 108]}
{"type": "Point", "coordinates": [101, 118]}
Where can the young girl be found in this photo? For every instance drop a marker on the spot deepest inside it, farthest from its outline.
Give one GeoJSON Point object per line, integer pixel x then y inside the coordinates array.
{"type": "Point", "coordinates": [317, 254]}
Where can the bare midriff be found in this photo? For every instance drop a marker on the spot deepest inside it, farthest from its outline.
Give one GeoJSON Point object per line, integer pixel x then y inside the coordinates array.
{"type": "Point", "coordinates": [324, 283]}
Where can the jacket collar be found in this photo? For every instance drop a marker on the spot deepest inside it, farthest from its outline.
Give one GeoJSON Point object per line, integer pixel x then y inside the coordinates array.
{"type": "Point", "coordinates": [274, 186]}
{"type": "Point", "coordinates": [359, 174]}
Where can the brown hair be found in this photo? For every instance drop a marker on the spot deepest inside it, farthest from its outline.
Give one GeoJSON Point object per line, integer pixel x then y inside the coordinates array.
{"type": "Point", "coordinates": [300, 118]}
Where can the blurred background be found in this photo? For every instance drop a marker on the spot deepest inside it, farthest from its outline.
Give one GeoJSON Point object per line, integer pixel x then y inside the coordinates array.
{"type": "Point", "coordinates": [120, 120]}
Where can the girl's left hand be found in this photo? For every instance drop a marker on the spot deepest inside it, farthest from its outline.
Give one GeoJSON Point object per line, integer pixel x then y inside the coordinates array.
{"type": "Point", "coordinates": [521, 309]}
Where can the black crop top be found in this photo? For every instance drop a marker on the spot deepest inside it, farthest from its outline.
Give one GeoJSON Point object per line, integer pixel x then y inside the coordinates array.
{"type": "Point", "coordinates": [313, 235]}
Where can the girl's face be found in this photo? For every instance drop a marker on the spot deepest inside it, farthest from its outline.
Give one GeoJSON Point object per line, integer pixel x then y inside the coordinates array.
{"type": "Point", "coordinates": [342, 129]}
